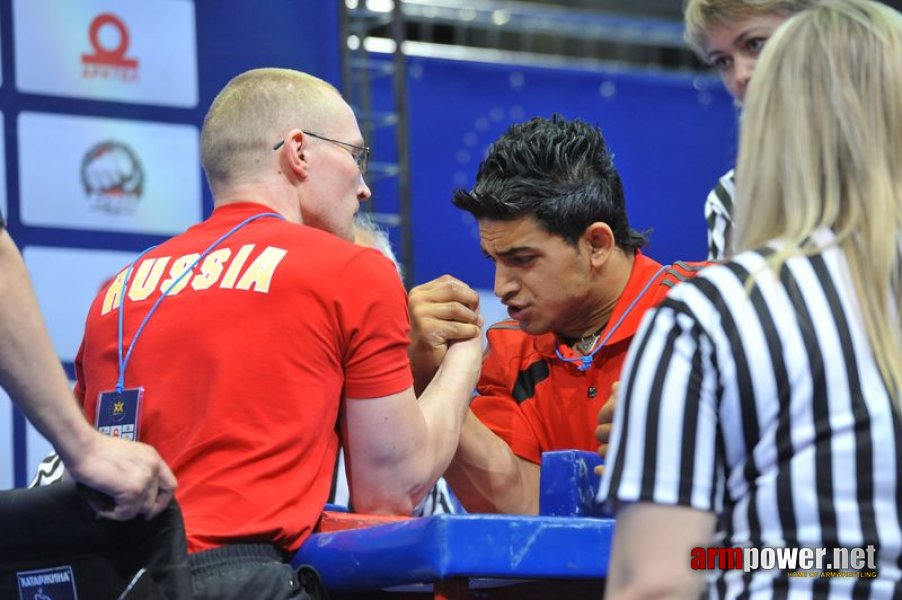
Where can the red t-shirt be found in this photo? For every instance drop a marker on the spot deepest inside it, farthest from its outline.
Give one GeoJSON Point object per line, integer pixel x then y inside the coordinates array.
{"type": "Point", "coordinates": [244, 365]}
{"type": "Point", "coordinates": [537, 402]}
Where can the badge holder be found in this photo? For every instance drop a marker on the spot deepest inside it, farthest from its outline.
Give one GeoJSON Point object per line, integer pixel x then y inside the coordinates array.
{"type": "Point", "coordinates": [118, 413]}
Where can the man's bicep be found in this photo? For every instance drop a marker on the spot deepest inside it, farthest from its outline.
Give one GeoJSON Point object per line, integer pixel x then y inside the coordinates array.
{"type": "Point", "coordinates": [375, 431]}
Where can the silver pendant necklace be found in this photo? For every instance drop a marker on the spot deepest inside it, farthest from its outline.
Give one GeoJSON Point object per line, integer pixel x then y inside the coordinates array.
{"type": "Point", "coordinates": [587, 343]}
{"type": "Point", "coordinates": [585, 361]}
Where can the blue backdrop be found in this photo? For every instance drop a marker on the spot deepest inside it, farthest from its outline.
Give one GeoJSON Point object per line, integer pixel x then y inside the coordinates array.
{"type": "Point", "coordinates": [672, 136]}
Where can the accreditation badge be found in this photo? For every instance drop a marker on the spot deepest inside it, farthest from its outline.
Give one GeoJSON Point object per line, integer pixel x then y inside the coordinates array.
{"type": "Point", "coordinates": [118, 413]}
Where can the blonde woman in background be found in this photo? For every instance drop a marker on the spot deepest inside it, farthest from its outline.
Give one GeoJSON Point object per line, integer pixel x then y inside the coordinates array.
{"type": "Point", "coordinates": [729, 35]}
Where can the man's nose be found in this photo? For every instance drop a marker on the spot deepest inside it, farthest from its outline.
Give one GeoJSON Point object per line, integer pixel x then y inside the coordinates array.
{"type": "Point", "coordinates": [744, 68]}
{"type": "Point", "coordinates": [505, 283]}
{"type": "Point", "coordinates": [364, 193]}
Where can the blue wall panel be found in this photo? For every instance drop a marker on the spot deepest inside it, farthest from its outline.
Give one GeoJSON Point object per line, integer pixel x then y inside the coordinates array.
{"type": "Point", "coordinates": [672, 137]}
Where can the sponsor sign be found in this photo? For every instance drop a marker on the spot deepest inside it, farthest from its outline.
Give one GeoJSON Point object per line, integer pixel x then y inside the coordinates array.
{"type": "Point", "coordinates": [108, 50]}
{"type": "Point", "coordinates": [108, 174]}
{"type": "Point", "coordinates": [66, 281]}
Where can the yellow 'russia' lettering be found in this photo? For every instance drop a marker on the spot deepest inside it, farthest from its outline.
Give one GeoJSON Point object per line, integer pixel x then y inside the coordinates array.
{"type": "Point", "coordinates": [176, 283]}
{"type": "Point", "coordinates": [148, 274]}
{"type": "Point", "coordinates": [113, 294]}
{"type": "Point", "coordinates": [231, 275]}
{"type": "Point", "coordinates": [211, 269]}
{"type": "Point", "coordinates": [146, 278]}
{"type": "Point", "coordinates": [259, 274]}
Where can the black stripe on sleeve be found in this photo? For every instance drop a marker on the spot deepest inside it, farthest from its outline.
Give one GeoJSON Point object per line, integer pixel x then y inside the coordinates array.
{"type": "Point", "coordinates": [528, 379]}
{"type": "Point", "coordinates": [726, 200]}
{"type": "Point", "coordinates": [691, 410]}
{"type": "Point", "coordinates": [640, 344]}
{"type": "Point", "coordinates": [783, 441]}
{"type": "Point", "coordinates": [746, 393]}
{"type": "Point", "coordinates": [691, 415]}
{"type": "Point", "coordinates": [864, 451]}
{"type": "Point", "coordinates": [653, 415]}
{"type": "Point", "coordinates": [712, 245]}
{"type": "Point", "coordinates": [823, 475]}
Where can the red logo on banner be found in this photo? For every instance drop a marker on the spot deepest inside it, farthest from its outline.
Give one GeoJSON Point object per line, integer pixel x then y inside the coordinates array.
{"type": "Point", "coordinates": [109, 62]}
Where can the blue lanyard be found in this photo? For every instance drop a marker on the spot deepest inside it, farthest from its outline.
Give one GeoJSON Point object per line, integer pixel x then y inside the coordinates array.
{"type": "Point", "coordinates": [586, 361]}
{"type": "Point", "coordinates": [120, 383]}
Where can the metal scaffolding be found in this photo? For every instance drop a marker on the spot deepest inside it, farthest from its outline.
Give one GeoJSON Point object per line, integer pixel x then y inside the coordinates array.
{"type": "Point", "coordinates": [384, 127]}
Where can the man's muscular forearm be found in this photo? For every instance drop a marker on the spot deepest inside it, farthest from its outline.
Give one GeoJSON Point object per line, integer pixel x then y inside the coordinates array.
{"type": "Point", "coordinates": [488, 477]}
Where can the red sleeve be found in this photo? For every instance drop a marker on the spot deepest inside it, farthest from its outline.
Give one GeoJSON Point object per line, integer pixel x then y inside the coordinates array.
{"type": "Point", "coordinates": [372, 310]}
{"type": "Point", "coordinates": [495, 405]}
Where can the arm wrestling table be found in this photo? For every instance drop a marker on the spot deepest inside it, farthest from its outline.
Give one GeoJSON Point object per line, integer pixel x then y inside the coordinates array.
{"type": "Point", "coordinates": [453, 554]}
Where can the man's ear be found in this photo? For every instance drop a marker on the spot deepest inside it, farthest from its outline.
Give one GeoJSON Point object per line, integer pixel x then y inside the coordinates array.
{"type": "Point", "coordinates": [599, 239]}
{"type": "Point", "coordinates": [293, 155]}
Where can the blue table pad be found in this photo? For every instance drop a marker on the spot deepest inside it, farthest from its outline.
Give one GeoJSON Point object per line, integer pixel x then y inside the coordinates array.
{"type": "Point", "coordinates": [439, 547]}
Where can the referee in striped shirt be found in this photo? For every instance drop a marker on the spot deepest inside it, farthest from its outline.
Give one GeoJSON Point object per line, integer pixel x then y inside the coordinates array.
{"type": "Point", "coordinates": [760, 403]}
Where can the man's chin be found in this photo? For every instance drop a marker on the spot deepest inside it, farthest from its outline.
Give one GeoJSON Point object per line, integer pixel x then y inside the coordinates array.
{"type": "Point", "coordinates": [532, 328]}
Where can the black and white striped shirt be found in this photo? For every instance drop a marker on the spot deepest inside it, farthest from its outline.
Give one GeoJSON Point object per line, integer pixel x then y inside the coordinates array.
{"type": "Point", "coordinates": [719, 215]}
{"type": "Point", "coordinates": [767, 408]}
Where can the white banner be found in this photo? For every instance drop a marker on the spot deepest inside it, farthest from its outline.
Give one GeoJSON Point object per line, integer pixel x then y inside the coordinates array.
{"type": "Point", "coordinates": [108, 174]}
{"type": "Point", "coordinates": [7, 473]}
{"type": "Point", "coordinates": [66, 281]}
{"type": "Point", "coordinates": [124, 50]}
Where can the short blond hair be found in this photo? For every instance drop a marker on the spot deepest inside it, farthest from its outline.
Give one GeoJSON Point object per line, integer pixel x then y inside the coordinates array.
{"type": "Point", "coordinates": [699, 16]}
{"type": "Point", "coordinates": [250, 114]}
{"type": "Point", "coordinates": [820, 148]}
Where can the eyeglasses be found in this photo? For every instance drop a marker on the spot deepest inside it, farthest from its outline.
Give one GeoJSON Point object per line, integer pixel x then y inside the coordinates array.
{"type": "Point", "coordinates": [360, 154]}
